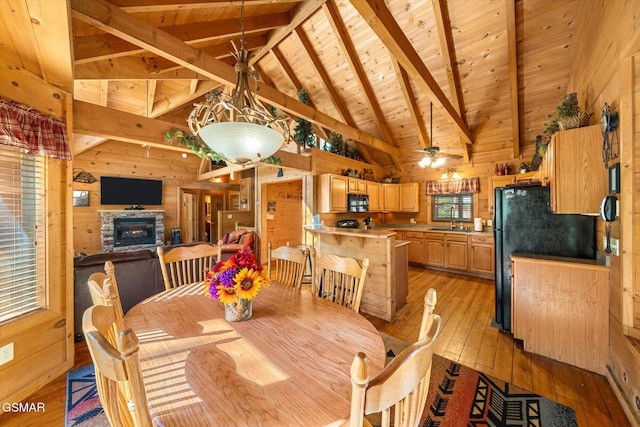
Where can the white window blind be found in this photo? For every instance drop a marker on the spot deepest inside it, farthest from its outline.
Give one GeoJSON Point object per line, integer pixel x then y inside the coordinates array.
{"type": "Point", "coordinates": [456, 207]}
{"type": "Point", "coordinates": [22, 233]}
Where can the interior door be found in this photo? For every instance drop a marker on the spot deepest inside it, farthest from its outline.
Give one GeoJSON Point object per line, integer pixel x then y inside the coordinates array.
{"type": "Point", "coordinates": [281, 214]}
{"type": "Point", "coordinates": [189, 217]}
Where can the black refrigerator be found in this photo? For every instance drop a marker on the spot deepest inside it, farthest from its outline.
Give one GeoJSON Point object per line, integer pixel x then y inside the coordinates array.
{"type": "Point", "coordinates": [523, 222]}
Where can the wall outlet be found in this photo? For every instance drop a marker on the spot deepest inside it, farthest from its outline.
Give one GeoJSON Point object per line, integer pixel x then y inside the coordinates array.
{"type": "Point", "coordinates": [6, 353]}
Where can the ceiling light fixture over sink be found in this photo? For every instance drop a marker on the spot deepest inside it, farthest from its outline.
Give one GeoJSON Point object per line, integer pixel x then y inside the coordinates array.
{"type": "Point", "coordinates": [235, 126]}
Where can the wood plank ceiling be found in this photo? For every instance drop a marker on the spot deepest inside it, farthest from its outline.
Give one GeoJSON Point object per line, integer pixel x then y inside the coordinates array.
{"type": "Point", "coordinates": [493, 69]}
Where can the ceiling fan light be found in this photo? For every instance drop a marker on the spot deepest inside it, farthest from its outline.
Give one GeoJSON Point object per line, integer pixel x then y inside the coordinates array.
{"type": "Point", "coordinates": [438, 162]}
{"type": "Point", "coordinates": [426, 161]}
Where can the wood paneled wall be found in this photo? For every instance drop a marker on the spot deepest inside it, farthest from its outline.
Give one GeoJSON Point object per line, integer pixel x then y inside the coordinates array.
{"type": "Point", "coordinates": [113, 158]}
{"type": "Point", "coordinates": [607, 35]}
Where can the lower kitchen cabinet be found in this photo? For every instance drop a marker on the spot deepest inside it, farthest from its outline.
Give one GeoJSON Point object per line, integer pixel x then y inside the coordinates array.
{"type": "Point", "coordinates": [455, 252]}
{"type": "Point", "coordinates": [416, 247]}
{"type": "Point", "coordinates": [481, 255]}
{"type": "Point", "coordinates": [560, 309]}
{"type": "Point", "coordinates": [434, 249]}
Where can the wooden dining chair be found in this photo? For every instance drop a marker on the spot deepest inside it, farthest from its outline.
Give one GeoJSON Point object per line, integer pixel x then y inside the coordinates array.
{"type": "Point", "coordinates": [117, 369]}
{"type": "Point", "coordinates": [399, 392]}
{"type": "Point", "coordinates": [103, 288]}
{"type": "Point", "coordinates": [340, 279]}
{"type": "Point", "coordinates": [289, 264]}
{"type": "Point", "coordinates": [184, 265]}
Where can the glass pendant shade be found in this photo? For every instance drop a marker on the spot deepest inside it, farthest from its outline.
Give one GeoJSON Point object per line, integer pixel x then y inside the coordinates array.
{"type": "Point", "coordinates": [241, 143]}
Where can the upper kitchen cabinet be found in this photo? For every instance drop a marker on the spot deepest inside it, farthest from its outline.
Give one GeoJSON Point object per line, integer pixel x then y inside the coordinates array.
{"type": "Point", "coordinates": [409, 197]}
{"type": "Point", "coordinates": [574, 170]}
{"type": "Point", "coordinates": [504, 180]}
{"type": "Point", "coordinates": [333, 193]}
{"type": "Point", "coordinates": [391, 198]}
{"type": "Point", "coordinates": [376, 196]}
{"type": "Point", "coordinates": [357, 186]}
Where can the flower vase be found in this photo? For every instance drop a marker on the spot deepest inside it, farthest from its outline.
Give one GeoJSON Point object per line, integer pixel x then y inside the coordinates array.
{"type": "Point", "coordinates": [238, 311]}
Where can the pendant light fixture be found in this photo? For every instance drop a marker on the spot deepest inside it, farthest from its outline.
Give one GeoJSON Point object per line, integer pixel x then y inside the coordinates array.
{"type": "Point", "coordinates": [235, 125]}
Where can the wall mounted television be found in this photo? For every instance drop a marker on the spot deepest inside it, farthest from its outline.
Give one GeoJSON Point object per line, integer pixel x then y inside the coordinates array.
{"type": "Point", "coordinates": [130, 191]}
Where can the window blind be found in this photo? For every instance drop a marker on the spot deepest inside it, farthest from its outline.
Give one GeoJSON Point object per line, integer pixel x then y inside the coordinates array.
{"type": "Point", "coordinates": [456, 207]}
{"type": "Point", "coordinates": [22, 233]}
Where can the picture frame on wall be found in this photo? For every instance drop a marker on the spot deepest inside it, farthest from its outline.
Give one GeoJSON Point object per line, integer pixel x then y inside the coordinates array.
{"type": "Point", "coordinates": [80, 198]}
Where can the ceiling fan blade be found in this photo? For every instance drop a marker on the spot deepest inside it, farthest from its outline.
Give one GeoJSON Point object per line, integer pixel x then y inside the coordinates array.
{"type": "Point", "coordinates": [450, 156]}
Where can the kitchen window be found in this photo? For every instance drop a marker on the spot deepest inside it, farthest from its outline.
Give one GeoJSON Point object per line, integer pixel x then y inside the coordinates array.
{"type": "Point", "coordinates": [457, 207]}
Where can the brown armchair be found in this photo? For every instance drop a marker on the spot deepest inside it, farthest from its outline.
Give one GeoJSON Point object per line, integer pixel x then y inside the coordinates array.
{"type": "Point", "coordinates": [235, 240]}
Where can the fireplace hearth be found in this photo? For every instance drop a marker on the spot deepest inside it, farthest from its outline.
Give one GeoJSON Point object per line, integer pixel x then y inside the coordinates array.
{"type": "Point", "coordinates": [134, 231]}
{"type": "Point", "coordinates": [126, 230]}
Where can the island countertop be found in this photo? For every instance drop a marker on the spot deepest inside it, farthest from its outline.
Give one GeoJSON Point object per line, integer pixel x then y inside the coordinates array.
{"type": "Point", "coordinates": [353, 232]}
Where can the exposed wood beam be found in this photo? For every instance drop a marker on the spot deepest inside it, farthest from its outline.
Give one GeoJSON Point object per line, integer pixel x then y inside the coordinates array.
{"type": "Point", "coordinates": [340, 106]}
{"type": "Point", "coordinates": [287, 160]}
{"type": "Point", "coordinates": [111, 19]}
{"type": "Point", "coordinates": [301, 14]}
{"type": "Point", "coordinates": [350, 53]}
{"type": "Point", "coordinates": [104, 92]}
{"type": "Point", "coordinates": [291, 75]}
{"type": "Point", "coordinates": [513, 76]}
{"type": "Point", "coordinates": [94, 120]}
{"type": "Point", "coordinates": [107, 46]}
{"type": "Point", "coordinates": [151, 96]}
{"type": "Point", "coordinates": [412, 105]}
{"type": "Point", "coordinates": [161, 5]}
{"type": "Point", "coordinates": [381, 21]}
{"type": "Point", "coordinates": [220, 50]}
{"type": "Point", "coordinates": [447, 47]}
{"type": "Point", "coordinates": [82, 143]}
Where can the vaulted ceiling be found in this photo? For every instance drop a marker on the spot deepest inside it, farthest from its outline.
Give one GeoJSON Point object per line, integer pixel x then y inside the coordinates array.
{"type": "Point", "coordinates": [492, 69]}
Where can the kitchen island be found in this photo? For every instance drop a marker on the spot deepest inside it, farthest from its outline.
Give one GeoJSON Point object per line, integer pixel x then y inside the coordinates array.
{"type": "Point", "coordinates": [385, 288]}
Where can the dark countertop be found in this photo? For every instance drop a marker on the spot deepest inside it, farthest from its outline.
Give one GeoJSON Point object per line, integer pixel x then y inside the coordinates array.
{"type": "Point", "coordinates": [560, 259]}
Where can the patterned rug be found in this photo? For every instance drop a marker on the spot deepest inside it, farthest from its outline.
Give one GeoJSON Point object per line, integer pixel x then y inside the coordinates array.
{"type": "Point", "coordinates": [83, 407]}
{"type": "Point", "coordinates": [463, 397]}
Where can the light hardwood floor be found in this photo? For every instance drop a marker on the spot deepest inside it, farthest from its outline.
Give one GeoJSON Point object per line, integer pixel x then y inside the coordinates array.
{"type": "Point", "coordinates": [466, 305]}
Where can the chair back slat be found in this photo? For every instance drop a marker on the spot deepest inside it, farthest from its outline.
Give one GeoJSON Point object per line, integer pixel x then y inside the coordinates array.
{"type": "Point", "coordinates": [103, 289]}
{"type": "Point", "coordinates": [286, 264]}
{"type": "Point", "coordinates": [184, 265]}
{"type": "Point", "coordinates": [340, 279]}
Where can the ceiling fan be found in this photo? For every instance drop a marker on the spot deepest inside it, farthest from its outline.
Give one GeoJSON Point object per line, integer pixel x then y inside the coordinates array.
{"type": "Point", "coordinates": [432, 155]}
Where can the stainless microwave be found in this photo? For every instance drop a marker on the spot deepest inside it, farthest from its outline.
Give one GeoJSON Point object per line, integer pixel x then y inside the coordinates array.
{"type": "Point", "coordinates": [358, 202]}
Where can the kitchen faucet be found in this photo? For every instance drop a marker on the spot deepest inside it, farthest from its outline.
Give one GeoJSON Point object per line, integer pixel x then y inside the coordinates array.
{"type": "Point", "coordinates": [452, 225]}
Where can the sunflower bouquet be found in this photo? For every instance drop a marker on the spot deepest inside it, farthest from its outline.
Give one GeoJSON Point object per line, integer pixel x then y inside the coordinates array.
{"type": "Point", "coordinates": [236, 279]}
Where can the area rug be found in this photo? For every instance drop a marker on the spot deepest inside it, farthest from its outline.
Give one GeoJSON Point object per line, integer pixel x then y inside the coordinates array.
{"type": "Point", "coordinates": [463, 397]}
{"type": "Point", "coordinates": [83, 407]}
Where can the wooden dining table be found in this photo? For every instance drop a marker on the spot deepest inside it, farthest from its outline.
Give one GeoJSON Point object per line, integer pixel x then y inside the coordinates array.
{"type": "Point", "coordinates": [288, 365]}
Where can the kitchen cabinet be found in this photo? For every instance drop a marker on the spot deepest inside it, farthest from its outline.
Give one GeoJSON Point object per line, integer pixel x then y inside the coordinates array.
{"type": "Point", "coordinates": [481, 255]}
{"type": "Point", "coordinates": [333, 193]}
{"type": "Point", "coordinates": [416, 247]}
{"type": "Point", "coordinates": [434, 249]}
{"type": "Point", "coordinates": [374, 191]}
{"type": "Point", "coordinates": [357, 186]}
{"type": "Point", "coordinates": [409, 201]}
{"type": "Point", "coordinates": [455, 251]}
{"type": "Point", "coordinates": [391, 197]}
{"type": "Point", "coordinates": [560, 309]}
{"type": "Point", "coordinates": [573, 168]}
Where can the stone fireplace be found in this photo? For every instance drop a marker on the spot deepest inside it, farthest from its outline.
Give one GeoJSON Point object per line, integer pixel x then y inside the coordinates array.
{"type": "Point", "coordinates": [127, 230]}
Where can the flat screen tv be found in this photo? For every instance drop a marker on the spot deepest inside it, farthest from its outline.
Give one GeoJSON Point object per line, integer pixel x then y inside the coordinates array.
{"type": "Point", "coordinates": [130, 191]}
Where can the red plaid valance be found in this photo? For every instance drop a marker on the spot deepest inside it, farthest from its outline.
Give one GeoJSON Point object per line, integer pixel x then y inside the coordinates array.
{"type": "Point", "coordinates": [28, 129]}
{"type": "Point", "coordinates": [464, 185]}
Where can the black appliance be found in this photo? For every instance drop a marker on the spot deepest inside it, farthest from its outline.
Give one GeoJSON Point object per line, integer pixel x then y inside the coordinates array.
{"type": "Point", "coordinates": [358, 202]}
{"type": "Point", "coordinates": [348, 223]}
{"type": "Point", "coordinates": [130, 191]}
{"type": "Point", "coordinates": [524, 222]}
